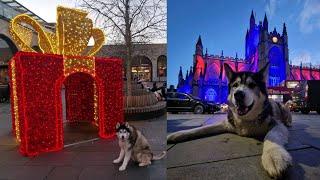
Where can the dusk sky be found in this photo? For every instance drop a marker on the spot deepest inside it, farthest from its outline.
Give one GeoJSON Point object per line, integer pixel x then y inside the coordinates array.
{"type": "Point", "coordinates": [222, 25]}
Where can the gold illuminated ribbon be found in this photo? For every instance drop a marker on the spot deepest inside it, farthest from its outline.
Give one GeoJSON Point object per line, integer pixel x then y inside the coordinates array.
{"type": "Point", "coordinates": [73, 32]}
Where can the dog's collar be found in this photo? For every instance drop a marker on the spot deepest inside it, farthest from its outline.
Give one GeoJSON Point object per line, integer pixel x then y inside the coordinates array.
{"type": "Point", "coordinates": [267, 111]}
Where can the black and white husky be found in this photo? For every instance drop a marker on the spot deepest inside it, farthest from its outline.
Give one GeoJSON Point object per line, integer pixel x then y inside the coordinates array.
{"type": "Point", "coordinates": [251, 114]}
{"type": "Point", "coordinates": [134, 146]}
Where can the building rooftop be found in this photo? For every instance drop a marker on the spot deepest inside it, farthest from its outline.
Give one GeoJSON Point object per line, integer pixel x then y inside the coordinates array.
{"type": "Point", "coordinates": [10, 8]}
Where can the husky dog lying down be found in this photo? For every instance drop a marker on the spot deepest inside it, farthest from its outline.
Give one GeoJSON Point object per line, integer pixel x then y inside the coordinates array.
{"type": "Point", "coordinates": [134, 146]}
{"type": "Point", "coordinates": [251, 114]}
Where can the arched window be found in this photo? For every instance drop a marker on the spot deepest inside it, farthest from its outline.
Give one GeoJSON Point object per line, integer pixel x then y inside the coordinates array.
{"type": "Point", "coordinates": [277, 69]}
{"type": "Point", "coordinates": [162, 66]}
{"type": "Point", "coordinates": [7, 50]}
{"type": "Point", "coordinates": [141, 68]}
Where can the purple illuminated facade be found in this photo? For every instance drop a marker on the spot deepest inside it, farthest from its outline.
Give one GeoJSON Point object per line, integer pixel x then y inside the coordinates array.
{"type": "Point", "coordinates": [207, 80]}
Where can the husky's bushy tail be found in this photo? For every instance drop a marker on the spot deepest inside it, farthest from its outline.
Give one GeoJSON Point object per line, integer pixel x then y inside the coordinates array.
{"type": "Point", "coordinates": [159, 156]}
{"type": "Point", "coordinates": [286, 116]}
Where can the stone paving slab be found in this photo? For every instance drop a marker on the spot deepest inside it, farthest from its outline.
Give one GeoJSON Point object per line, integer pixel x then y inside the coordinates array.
{"type": "Point", "coordinates": [306, 166]}
{"type": "Point", "coordinates": [228, 156]}
{"type": "Point", "coordinates": [12, 158]}
{"type": "Point", "coordinates": [101, 145]}
{"type": "Point", "coordinates": [309, 137]}
{"type": "Point", "coordinates": [243, 168]}
{"type": "Point", "coordinates": [219, 147]}
{"type": "Point", "coordinates": [86, 161]}
{"type": "Point", "coordinates": [64, 172]}
{"type": "Point", "coordinates": [24, 172]}
{"type": "Point", "coordinates": [52, 159]}
{"type": "Point", "coordinates": [214, 148]}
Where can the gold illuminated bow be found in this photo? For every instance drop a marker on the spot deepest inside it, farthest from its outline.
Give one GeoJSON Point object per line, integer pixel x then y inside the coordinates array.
{"type": "Point", "coordinates": [73, 32]}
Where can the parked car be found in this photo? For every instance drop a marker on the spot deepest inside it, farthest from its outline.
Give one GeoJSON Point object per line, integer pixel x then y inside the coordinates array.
{"type": "Point", "coordinates": [183, 102]}
{"type": "Point", "coordinates": [306, 97]}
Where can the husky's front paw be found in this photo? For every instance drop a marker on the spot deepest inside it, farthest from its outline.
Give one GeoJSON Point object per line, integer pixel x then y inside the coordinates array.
{"type": "Point", "coordinates": [122, 168]}
{"type": "Point", "coordinates": [116, 161]}
{"type": "Point", "coordinates": [276, 160]}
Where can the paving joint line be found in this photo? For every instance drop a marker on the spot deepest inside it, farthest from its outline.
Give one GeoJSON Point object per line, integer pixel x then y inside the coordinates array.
{"type": "Point", "coordinates": [171, 147]}
{"type": "Point", "coordinates": [80, 142]}
{"type": "Point", "coordinates": [314, 147]}
{"type": "Point", "coordinates": [47, 176]}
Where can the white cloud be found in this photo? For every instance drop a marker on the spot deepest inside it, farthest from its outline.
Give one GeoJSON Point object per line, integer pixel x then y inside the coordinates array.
{"type": "Point", "coordinates": [271, 6]}
{"type": "Point", "coordinates": [309, 17]}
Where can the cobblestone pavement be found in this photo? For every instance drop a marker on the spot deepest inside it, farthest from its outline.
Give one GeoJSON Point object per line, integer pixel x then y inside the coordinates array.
{"type": "Point", "coordinates": [91, 160]}
{"type": "Point", "coordinates": [228, 156]}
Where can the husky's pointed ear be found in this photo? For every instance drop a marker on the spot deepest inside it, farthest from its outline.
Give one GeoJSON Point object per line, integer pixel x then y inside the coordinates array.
{"type": "Point", "coordinates": [264, 71]}
{"type": "Point", "coordinates": [228, 70]}
{"type": "Point", "coordinates": [127, 124]}
{"type": "Point", "coordinates": [118, 125]}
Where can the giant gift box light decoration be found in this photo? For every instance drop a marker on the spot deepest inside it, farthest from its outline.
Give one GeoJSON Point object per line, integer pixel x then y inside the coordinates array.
{"type": "Point", "coordinates": [93, 85]}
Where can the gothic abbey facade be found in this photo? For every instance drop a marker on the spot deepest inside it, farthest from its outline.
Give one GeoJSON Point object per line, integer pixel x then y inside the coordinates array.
{"type": "Point", "coordinates": [207, 80]}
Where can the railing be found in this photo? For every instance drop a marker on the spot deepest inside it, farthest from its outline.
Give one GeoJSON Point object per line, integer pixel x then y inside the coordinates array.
{"type": "Point", "coordinates": [140, 101]}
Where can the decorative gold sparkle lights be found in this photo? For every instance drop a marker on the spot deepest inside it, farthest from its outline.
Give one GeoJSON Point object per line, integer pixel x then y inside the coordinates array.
{"type": "Point", "coordinates": [79, 64]}
{"type": "Point", "coordinates": [73, 32]}
{"type": "Point", "coordinates": [95, 98]}
{"type": "Point", "coordinates": [15, 101]}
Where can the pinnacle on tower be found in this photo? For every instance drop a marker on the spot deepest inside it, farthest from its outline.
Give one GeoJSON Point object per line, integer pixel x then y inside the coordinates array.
{"type": "Point", "coordinates": [274, 30]}
{"type": "Point", "coordinates": [180, 72]}
{"type": "Point", "coordinates": [252, 20]}
{"type": "Point", "coordinates": [199, 42]}
{"type": "Point", "coordinates": [252, 16]}
{"type": "Point", "coordinates": [199, 47]}
{"type": "Point", "coordinates": [284, 31]}
{"type": "Point", "coordinates": [265, 22]}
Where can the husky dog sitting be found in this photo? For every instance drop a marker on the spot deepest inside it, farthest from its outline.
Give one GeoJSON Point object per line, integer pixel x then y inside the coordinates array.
{"type": "Point", "coordinates": [251, 114]}
{"type": "Point", "coordinates": [134, 146]}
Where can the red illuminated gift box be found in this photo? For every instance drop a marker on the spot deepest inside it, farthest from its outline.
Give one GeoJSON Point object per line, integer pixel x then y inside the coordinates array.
{"type": "Point", "coordinates": [36, 84]}
{"type": "Point", "coordinates": [93, 86]}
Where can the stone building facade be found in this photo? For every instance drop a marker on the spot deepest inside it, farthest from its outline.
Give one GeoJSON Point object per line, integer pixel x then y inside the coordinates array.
{"type": "Point", "coordinates": [149, 60]}
{"type": "Point", "coordinates": [207, 79]}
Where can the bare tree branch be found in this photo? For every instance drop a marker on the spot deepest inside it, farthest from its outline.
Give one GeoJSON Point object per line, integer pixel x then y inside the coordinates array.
{"type": "Point", "coordinates": [145, 16]}
{"type": "Point", "coordinates": [129, 22]}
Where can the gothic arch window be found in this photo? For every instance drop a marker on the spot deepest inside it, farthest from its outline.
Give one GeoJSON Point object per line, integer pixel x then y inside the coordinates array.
{"type": "Point", "coordinates": [141, 68]}
{"type": "Point", "coordinates": [7, 50]}
{"type": "Point", "coordinates": [277, 68]}
{"type": "Point", "coordinates": [162, 66]}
